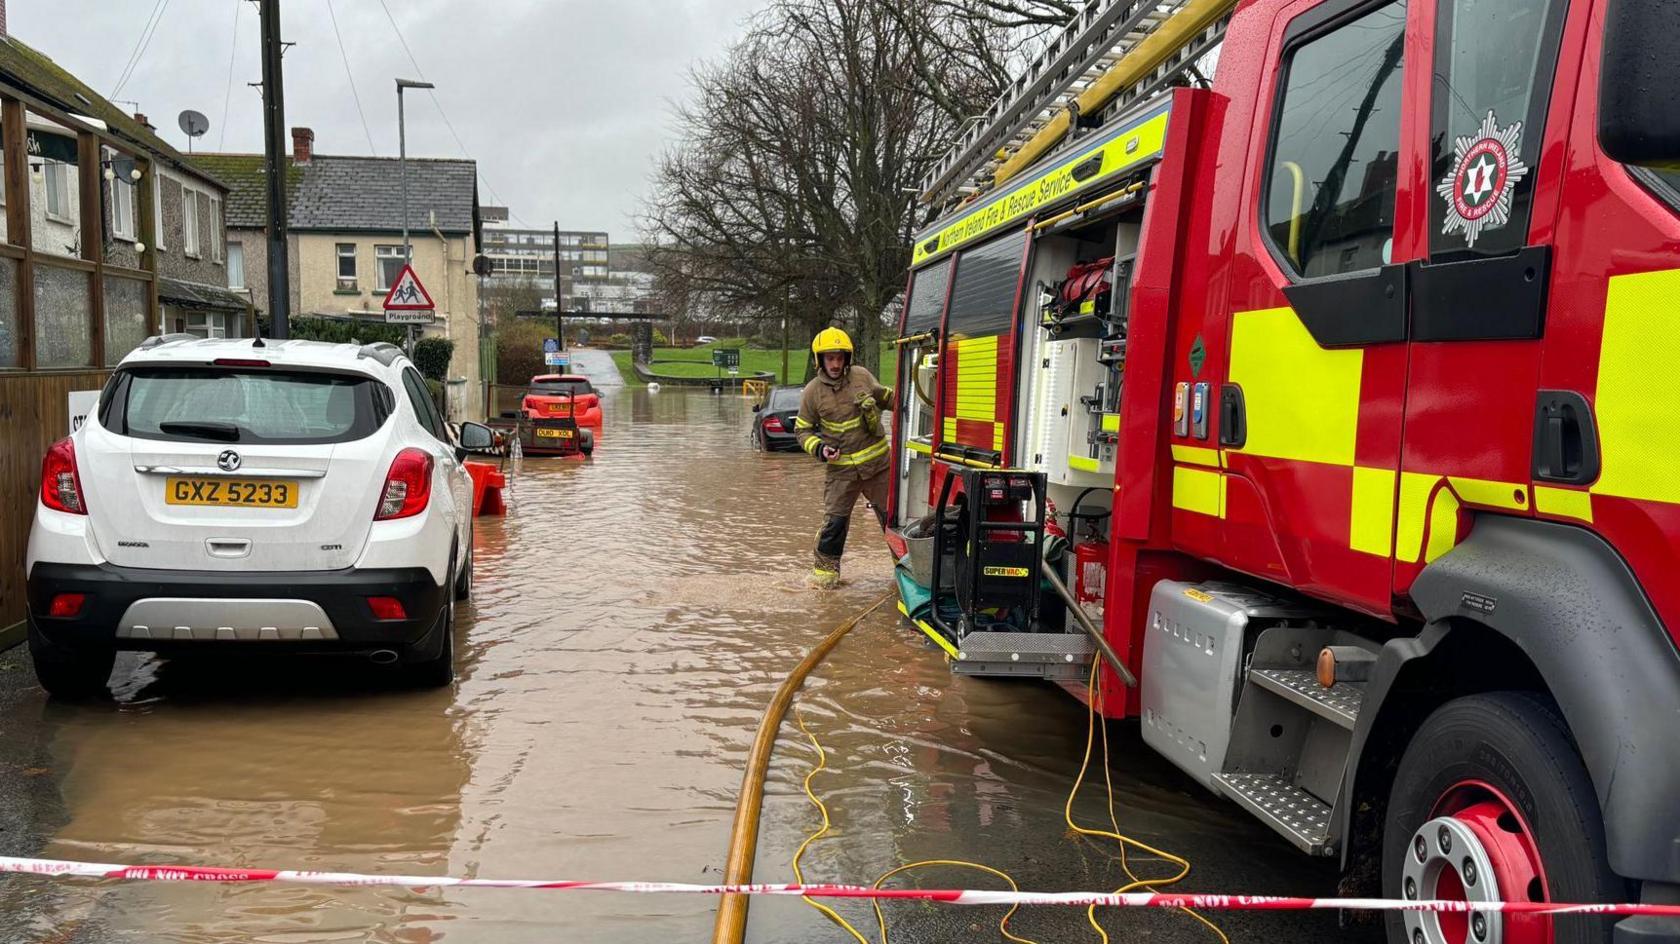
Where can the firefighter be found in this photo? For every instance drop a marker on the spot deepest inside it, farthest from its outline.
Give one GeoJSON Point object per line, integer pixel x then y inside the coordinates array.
{"type": "Point", "coordinates": [840, 424]}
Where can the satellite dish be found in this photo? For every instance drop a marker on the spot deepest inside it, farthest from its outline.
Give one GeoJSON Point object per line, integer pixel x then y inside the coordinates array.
{"type": "Point", "coordinates": [194, 124]}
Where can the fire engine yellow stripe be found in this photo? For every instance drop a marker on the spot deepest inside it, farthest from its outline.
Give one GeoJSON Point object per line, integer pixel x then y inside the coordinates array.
{"type": "Point", "coordinates": [1412, 514]}
{"type": "Point", "coordinates": [1638, 414]}
{"type": "Point", "coordinates": [1371, 524]}
{"type": "Point", "coordinates": [1199, 490]}
{"type": "Point", "coordinates": [1303, 400]}
{"type": "Point", "coordinates": [1443, 525]}
{"type": "Point", "coordinates": [1018, 201]}
{"type": "Point", "coordinates": [950, 430]}
{"type": "Point", "coordinates": [1111, 422]}
{"type": "Point", "coordinates": [1196, 455]}
{"type": "Point", "coordinates": [920, 447]}
{"type": "Point", "coordinates": [997, 436]}
{"type": "Point", "coordinates": [1084, 464]}
{"type": "Point", "coordinates": [1510, 495]}
{"type": "Point", "coordinates": [1563, 502]}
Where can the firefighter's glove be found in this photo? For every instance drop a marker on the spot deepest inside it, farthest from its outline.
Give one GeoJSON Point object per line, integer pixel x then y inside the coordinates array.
{"type": "Point", "coordinates": [870, 410]}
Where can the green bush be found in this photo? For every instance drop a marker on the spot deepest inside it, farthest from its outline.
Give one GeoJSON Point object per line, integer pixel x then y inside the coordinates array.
{"type": "Point", "coordinates": [659, 338]}
{"type": "Point", "coordinates": [439, 398]}
{"type": "Point", "coordinates": [519, 353]}
{"type": "Point", "coordinates": [336, 331]}
{"type": "Point", "coordinates": [432, 356]}
{"type": "Point", "coordinates": [619, 340]}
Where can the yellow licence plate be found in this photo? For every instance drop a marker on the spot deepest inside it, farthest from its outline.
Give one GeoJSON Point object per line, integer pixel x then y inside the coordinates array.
{"type": "Point", "coordinates": [238, 493]}
{"type": "Point", "coordinates": [553, 433]}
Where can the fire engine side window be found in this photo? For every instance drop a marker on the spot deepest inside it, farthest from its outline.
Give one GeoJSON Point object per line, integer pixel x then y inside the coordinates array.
{"type": "Point", "coordinates": [983, 300]}
{"type": "Point", "coordinates": [1492, 84]}
{"type": "Point", "coordinates": [927, 298]}
{"type": "Point", "coordinates": [1330, 186]}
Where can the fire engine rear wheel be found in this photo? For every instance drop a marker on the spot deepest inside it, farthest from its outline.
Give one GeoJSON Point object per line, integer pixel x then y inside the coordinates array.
{"type": "Point", "coordinates": [1491, 803]}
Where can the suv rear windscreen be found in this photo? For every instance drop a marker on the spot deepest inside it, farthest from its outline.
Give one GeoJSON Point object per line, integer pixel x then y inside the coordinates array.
{"type": "Point", "coordinates": [244, 405]}
{"type": "Point", "coordinates": [561, 388]}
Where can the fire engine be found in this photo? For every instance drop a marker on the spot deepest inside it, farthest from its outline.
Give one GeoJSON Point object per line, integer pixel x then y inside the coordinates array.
{"type": "Point", "coordinates": [1325, 341]}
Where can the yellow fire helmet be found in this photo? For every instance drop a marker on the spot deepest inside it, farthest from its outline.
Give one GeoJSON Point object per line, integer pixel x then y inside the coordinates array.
{"type": "Point", "coordinates": [831, 339]}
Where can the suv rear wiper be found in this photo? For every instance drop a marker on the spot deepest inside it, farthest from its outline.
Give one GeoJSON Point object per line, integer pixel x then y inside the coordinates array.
{"type": "Point", "coordinates": [225, 432]}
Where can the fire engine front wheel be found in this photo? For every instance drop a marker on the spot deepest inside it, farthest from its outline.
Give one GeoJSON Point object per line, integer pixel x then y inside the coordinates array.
{"type": "Point", "coordinates": [1491, 803]}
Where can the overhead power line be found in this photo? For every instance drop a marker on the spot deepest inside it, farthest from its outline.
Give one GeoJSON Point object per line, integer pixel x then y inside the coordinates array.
{"type": "Point", "coordinates": [444, 115]}
{"type": "Point", "coordinates": [140, 44]}
{"type": "Point", "coordinates": [233, 51]}
{"type": "Point", "coordinates": [354, 95]}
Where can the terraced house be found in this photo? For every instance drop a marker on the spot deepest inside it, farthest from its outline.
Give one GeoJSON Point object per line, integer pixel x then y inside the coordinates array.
{"type": "Point", "coordinates": [345, 221]}
{"type": "Point", "coordinates": [107, 235]}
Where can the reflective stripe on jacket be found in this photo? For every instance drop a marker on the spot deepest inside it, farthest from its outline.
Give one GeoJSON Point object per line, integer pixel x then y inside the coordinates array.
{"type": "Point", "coordinates": [829, 414]}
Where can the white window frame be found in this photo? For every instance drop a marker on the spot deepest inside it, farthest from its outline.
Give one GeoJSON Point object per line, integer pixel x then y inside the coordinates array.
{"type": "Point", "coordinates": [239, 248]}
{"type": "Point", "coordinates": [339, 255]}
{"type": "Point", "coordinates": [61, 190]}
{"type": "Point", "coordinates": [215, 243]}
{"type": "Point", "coordinates": [189, 223]}
{"type": "Point", "coordinates": [380, 254]}
{"type": "Point", "coordinates": [123, 210]}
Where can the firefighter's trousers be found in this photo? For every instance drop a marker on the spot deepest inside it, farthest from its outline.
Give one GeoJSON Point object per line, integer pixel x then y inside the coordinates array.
{"type": "Point", "coordinates": [840, 494]}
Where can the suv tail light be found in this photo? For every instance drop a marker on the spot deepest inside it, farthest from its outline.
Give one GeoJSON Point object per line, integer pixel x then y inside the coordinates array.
{"type": "Point", "coordinates": [773, 424]}
{"type": "Point", "coordinates": [408, 486]}
{"type": "Point", "coordinates": [61, 484]}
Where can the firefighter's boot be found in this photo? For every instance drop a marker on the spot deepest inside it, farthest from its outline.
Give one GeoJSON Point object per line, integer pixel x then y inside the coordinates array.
{"type": "Point", "coordinates": [831, 543]}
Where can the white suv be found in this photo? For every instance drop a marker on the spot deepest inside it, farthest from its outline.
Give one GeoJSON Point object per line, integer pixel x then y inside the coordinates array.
{"type": "Point", "coordinates": [286, 496]}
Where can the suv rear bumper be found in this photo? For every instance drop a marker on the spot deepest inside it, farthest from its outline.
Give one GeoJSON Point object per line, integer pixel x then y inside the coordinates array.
{"type": "Point", "coordinates": [341, 594]}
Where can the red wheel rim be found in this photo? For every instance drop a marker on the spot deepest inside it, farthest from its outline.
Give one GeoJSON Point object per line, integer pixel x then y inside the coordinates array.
{"type": "Point", "coordinates": [1508, 843]}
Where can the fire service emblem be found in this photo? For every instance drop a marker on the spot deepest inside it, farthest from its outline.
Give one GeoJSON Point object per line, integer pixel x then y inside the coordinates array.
{"type": "Point", "coordinates": [1485, 172]}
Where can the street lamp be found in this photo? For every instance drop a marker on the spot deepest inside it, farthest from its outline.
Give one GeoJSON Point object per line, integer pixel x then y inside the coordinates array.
{"type": "Point", "coordinates": [402, 171]}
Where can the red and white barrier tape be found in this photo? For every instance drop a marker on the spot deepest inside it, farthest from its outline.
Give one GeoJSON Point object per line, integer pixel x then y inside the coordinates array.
{"type": "Point", "coordinates": [171, 873]}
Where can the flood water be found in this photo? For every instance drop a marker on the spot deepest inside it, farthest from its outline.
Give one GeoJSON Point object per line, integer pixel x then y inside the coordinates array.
{"type": "Point", "coordinates": [631, 617]}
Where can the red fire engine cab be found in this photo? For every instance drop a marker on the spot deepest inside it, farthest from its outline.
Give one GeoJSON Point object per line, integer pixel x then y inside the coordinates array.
{"type": "Point", "coordinates": [1349, 373]}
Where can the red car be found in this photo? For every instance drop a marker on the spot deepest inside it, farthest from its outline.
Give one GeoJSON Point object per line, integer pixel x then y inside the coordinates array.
{"type": "Point", "coordinates": [566, 395]}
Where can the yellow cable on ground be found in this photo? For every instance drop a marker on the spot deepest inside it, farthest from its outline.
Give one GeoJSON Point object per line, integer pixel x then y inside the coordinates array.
{"type": "Point", "coordinates": [1092, 704]}
{"type": "Point", "coordinates": [731, 923]}
{"type": "Point", "coordinates": [880, 917]}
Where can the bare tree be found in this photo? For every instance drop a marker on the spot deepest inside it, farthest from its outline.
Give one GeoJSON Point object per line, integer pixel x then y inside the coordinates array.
{"type": "Point", "coordinates": [795, 184]}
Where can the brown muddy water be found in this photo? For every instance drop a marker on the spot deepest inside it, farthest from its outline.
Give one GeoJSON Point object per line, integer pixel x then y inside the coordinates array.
{"type": "Point", "coordinates": [631, 617]}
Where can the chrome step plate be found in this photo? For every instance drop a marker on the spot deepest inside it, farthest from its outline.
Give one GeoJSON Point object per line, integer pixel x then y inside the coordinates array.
{"type": "Point", "coordinates": [1339, 704]}
{"type": "Point", "coordinates": [1299, 816]}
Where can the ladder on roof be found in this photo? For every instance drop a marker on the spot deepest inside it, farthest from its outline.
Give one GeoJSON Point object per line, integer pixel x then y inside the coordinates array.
{"type": "Point", "coordinates": [1090, 44]}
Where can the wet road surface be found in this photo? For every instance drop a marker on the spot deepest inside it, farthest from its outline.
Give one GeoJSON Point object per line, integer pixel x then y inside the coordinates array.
{"type": "Point", "coordinates": [630, 618]}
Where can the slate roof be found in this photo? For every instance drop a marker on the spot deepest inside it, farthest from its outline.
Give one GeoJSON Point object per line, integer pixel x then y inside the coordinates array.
{"type": "Point", "coordinates": [32, 71]}
{"type": "Point", "coordinates": [352, 194]}
{"type": "Point", "coordinates": [199, 295]}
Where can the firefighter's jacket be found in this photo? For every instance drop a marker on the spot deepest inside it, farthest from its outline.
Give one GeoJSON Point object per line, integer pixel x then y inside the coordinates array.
{"type": "Point", "coordinates": [832, 413]}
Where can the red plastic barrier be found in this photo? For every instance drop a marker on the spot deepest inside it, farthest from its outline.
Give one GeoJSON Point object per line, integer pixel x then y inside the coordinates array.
{"type": "Point", "coordinates": [488, 483]}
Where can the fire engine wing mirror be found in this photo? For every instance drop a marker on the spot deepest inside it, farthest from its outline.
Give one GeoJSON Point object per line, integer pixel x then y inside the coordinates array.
{"type": "Point", "coordinates": [1637, 121]}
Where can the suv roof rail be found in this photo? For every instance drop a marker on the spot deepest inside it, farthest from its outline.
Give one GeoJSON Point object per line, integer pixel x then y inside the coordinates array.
{"type": "Point", "coordinates": [159, 340]}
{"type": "Point", "coordinates": [382, 351]}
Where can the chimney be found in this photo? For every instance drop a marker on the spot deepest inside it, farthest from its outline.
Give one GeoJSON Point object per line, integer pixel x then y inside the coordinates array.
{"type": "Point", "coordinates": [303, 142]}
{"type": "Point", "coordinates": [138, 116]}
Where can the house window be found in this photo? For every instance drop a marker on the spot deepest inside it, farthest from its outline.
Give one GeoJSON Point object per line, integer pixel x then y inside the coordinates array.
{"type": "Point", "coordinates": [390, 259]}
{"type": "Point", "coordinates": [236, 265]}
{"type": "Point", "coordinates": [346, 265]}
{"type": "Point", "coordinates": [189, 222]}
{"type": "Point", "coordinates": [58, 191]}
{"type": "Point", "coordinates": [215, 229]}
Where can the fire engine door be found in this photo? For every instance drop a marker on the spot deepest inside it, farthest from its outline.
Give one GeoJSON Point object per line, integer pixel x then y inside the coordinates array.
{"type": "Point", "coordinates": [1479, 295]}
{"type": "Point", "coordinates": [977, 353]}
{"type": "Point", "coordinates": [1308, 410]}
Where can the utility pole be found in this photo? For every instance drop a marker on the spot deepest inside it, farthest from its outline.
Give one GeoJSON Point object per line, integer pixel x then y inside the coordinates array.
{"type": "Point", "coordinates": [787, 295]}
{"type": "Point", "coordinates": [274, 163]}
{"type": "Point", "coordinates": [402, 171]}
{"type": "Point", "coordinates": [559, 326]}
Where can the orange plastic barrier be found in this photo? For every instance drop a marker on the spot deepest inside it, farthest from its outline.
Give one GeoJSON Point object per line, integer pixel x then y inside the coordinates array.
{"type": "Point", "coordinates": [488, 483]}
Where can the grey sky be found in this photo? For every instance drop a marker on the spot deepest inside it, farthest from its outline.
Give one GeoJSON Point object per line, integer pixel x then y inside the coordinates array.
{"type": "Point", "coordinates": [565, 104]}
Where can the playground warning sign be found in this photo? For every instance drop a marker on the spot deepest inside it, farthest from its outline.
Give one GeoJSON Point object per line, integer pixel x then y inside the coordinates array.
{"type": "Point", "coordinates": [407, 294]}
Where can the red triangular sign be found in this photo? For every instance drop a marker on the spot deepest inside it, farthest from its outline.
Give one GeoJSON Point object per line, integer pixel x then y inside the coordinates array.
{"type": "Point", "coordinates": [407, 294]}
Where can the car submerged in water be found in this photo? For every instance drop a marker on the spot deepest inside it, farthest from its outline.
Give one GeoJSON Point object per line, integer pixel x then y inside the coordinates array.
{"type": "Point", "coordinates": [773, 419]}
{"type": "Point", "coordinates": [568, 395]}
